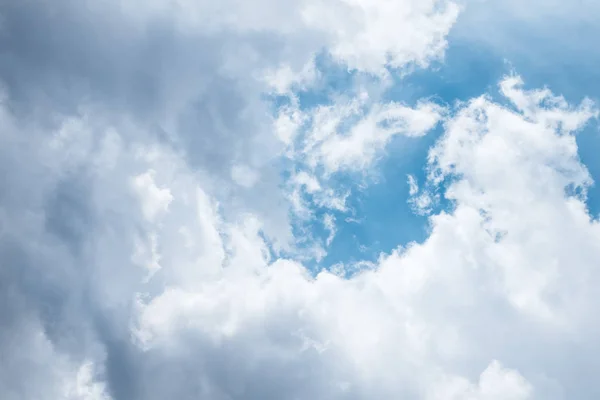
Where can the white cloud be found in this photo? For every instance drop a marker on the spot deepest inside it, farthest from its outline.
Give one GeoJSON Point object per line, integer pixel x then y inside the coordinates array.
{"type": "Point", "coordinates": [85, 386]}
{"type": "Point", "coordinates": [369, 35]}
{"type": "Point", "coordinates": [413, 186]}
{"type": "Point", "coordinates": [333, 148]}
{"type": "Point", "coordinates": [155, 200]}
{"type": "Point", "coordinates": [495, 383]}
{"type": "Point", "coordinates": [496, 274]}
{"type": "Point", "coordinates": [351, 133]}
{"type": "Point", "coordinates": [486, 145]}
{"type": "Point", "coordinates": [421, 201]}
{"type": "Point", "coordinates": [329, 224]}
{"type": "Point", "coordinates": [283, 79]}
{"type": "Point", "coordinates": [509, 274]}
{"type": "Point", "coordinates": [244, 175]}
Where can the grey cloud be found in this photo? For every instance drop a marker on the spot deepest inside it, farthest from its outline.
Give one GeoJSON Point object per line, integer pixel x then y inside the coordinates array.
{"type": "Point", "coordinates": [60, 55]}
{"type": "Point", "coordinates": [68, 211]}
{"type": "Point", "coordinates": [57, 56]}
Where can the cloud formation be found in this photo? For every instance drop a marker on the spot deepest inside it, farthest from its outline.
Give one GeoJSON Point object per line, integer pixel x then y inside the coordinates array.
{"type": "Point", "coordinates": [510, 267]}
{"type": "Point", "coordinates": [146, 242]}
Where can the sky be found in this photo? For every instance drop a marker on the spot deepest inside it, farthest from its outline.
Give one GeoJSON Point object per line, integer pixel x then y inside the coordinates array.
{"type": "Point", "coordinates": [308, 199]}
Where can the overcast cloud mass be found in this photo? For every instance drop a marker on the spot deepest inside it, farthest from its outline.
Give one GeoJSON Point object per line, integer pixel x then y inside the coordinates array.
{"type": "Point", "coordinates": [173, 175]}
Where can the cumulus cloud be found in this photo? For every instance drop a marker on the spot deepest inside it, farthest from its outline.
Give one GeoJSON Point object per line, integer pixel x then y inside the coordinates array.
{"type": "Point", "coordinates": [437, 319]}
{"type": "Point", "coordinates": [143, 210]}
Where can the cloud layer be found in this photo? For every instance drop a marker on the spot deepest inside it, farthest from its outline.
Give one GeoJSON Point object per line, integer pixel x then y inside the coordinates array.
{"type": "Point", "coordinates": [147, 239]}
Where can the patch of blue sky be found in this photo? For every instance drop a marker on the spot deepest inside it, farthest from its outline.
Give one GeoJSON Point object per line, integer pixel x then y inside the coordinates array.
{"type": "Point", "coordinates": [381, 218]}
{"type": "Point", "coordinates": [469, 70]}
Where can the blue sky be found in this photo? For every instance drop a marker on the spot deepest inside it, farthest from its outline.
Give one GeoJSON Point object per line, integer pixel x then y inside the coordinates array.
{"type": "Point", "coordinates": [338, 199]}
{"type": "Point", "coordinates": [470, 68]}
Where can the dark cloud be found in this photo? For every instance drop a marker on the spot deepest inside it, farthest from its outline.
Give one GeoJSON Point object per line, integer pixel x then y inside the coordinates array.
{"type": "Point", "coordinates": [66, 272]}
